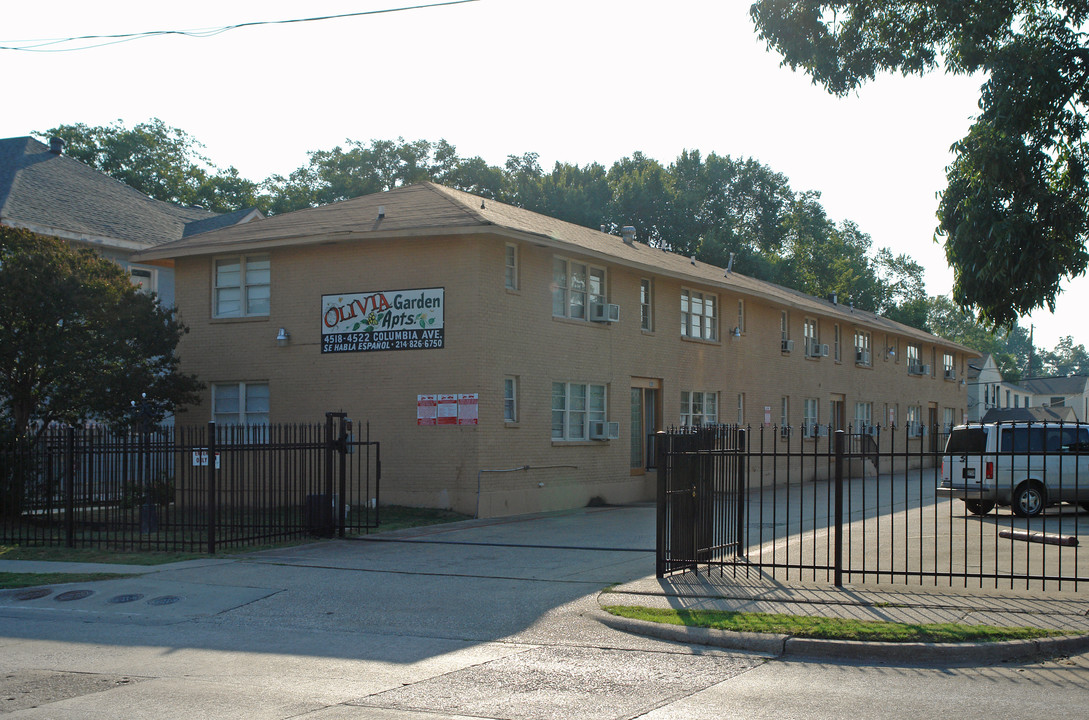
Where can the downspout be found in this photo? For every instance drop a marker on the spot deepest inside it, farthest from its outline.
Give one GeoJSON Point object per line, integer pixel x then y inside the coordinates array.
{"type": "Point", "coordinates": [523, 468]}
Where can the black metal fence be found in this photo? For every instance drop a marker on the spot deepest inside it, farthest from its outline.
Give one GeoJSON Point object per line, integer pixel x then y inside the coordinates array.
{"type": "Point", "coordinates": [860, 507]}
{"type": "Point", "coordinates": [194, 489]}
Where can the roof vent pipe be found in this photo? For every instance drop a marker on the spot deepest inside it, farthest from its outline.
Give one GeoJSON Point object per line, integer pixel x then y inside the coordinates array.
{"type": "Point", "coordinates": [628, 233]}
{"type": "Point", "coordinates": [730, 264]}
{"type": "Point", "coordinates": [56, 145]}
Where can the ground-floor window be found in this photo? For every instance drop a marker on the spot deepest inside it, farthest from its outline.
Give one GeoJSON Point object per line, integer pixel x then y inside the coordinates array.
{"type": "Point", "coordinates": [510, 399]}
{"type": "Point", "coordinates": [241, 403]}
{"type": "Point", "coordinates": [698, 408]}
{"type": "Point", "coordinates": [863, 416]}
{"type": "Point", "coordinates": [574, 407]}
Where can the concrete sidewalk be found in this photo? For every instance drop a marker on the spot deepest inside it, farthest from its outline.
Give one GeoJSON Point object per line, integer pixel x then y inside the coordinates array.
{"type": "Point", "coordinates": [1064, 611]}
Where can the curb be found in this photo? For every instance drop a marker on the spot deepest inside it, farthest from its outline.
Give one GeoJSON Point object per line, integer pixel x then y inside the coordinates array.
{"type": "Point", "coordinates": [787, 646]}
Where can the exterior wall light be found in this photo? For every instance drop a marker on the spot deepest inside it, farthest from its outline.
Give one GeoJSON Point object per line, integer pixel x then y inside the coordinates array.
{"type": "Point", "coordinates": [283, 337]}
{"type": "Point", "coordinates": [736, 332]}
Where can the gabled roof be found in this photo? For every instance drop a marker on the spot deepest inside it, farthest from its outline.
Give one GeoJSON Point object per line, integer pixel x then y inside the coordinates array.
{"type": "Point", "coordinates": [434, 210]}
{"type": "Point", "coordinates": [56, 195]}
{"type": "Point", "coordinates": [1066, 385]}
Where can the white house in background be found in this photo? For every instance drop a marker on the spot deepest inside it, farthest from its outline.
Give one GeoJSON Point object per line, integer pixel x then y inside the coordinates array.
{"type": "Point", "coordinates": [985, 387]}
{"type": "Point", "coordinates": [1071, 391]}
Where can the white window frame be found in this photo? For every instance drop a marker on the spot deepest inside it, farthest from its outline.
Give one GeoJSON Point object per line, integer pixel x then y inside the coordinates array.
{"type": "Point", "coordinates": [254, 400]}
{"type": "Point", "coordinates": [696, 322]}
{"type": "Point", "coordinates": [811, 415]}
{"type": "Point", "coordinates": [863, 416]}
{"type": "Point", "coordinates": [784, 417]}
{"type": "Point", "coordinates": [812, 337]}
{"type": "Point", "coordinates": [741, 408]}
{"type": "Point", "coordinates": [248, 292]}
{"type": "Point", "coordinates": [574, 407]}
{"type": "Point", "coordinates": [836, 340]}
{"type": "Point", "coordinates": [510, 399]}
{"type": "Point", "coordinates": [148, 284]}
{"type": "Point", "coordinates": [576, 286]}
{"type": "Point", "coordinates": [646, 304]}
{"type": "Point", "coordinates": [698, 407]}
{"type": "Point", "coordinates": [863, 345]}
{"type": "Point", "coordinates": [510, 267]}
{"type": "Point", "coordinates": [741, 317]}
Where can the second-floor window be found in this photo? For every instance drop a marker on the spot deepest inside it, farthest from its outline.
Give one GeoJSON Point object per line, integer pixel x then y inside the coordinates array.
{"type": "Point", "coordinates": [646, 304]}
{"type": "Point", "coordinates": [510, 268]}
{"type": "Point", "coordinates": [699, 315]}
{"type": "Point", "coordinates": [862, 348]}
{"type": "Point", "coordinates": [575, 286]}
{"type": "Point", "coordinates": [242, 286]}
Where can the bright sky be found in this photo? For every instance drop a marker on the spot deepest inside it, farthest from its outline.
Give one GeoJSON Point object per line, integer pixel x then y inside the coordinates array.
{"type": "Point", "coordinates": [576, 81]}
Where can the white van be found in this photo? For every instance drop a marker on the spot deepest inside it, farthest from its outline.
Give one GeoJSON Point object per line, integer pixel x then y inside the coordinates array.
{"type": "Point", "coordinates": [1026, 465]}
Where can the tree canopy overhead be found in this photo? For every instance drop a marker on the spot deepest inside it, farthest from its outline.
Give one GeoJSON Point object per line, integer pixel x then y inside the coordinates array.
{"type": "Point", "coordinates": [1015, 212]}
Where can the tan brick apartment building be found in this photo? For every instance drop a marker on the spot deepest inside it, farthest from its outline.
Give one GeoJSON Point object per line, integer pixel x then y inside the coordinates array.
{"type": "Point", "coordinates": [477, 338]}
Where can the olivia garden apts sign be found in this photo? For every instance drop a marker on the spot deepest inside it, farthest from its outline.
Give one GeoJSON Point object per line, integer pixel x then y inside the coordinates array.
{"type": "Point", "coordinates": [382, 320]}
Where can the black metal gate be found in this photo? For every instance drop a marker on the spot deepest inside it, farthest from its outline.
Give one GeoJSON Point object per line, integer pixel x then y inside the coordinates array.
{"type": "Point", "coordinates": [701, 486]}
{"type": "Point", "coordinates": [193, 489]}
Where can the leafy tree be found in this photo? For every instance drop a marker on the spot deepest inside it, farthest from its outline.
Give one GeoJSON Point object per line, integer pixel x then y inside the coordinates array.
{"type": "Point", "coordinates": [78, 341]}
{"type": "Point", "coordinates": [1015, 212]}
{"type": "Point", "coordinates": [162, 162]}
{"type": "Point", "coordinates": [1066, 359]}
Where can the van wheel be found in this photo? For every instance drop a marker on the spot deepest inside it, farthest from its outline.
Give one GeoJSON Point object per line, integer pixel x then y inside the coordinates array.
{"type": "Point", "coordinates": [1029, 500]}
{"type": "Point", "coordinates": [979, 507]}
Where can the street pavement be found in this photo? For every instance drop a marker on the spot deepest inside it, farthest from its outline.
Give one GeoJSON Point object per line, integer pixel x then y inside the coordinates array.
{"type": "Point", "coordinates": [496, 619]}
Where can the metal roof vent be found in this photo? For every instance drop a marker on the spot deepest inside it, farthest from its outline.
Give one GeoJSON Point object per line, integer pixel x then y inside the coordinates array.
{"type": "Point", "coordinates": [628, 233]}
{"type": "Point", "coordinates": [56, 145]}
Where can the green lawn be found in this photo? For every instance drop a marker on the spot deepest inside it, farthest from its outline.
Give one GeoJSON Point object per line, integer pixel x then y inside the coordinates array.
{"type": "Point", "coordinates": [830, 628]}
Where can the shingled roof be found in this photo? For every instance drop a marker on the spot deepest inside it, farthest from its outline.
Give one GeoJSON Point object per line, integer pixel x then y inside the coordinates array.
{"type": "Point", "coordinates": [434, 210]}
{"type": "Point", "coordinates": [51, 194]}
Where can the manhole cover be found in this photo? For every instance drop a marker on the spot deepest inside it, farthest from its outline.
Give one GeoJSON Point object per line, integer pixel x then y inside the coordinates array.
{"type": "Point", "coordinates": [164, 600]}
{"type": "Point", "coordinates": [117, 599]}
{"type": "Point", "coordinates": [32, 594]}
{"type": "Point", "coordinates": [74, 595]}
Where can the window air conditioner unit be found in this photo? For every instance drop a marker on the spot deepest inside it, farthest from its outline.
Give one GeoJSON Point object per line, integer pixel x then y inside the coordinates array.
{"type": "Point", "coordinates": [871, 431]}
{"type": "Point", "coordinates": [950, 374]}
{"type": "Point", "coordinates": [784, 431]}
{"type": "Point", "coordinates": [788, 346]}
{"type": "Point", "coordinates": [822, 430]}
{"type": "Point", "coordinates": [813, 348]}
{"type": "Point", "coordinates": [862, 357]}
{"type": "Point", "coordinates": [604, 312]}
{"type": "Point", "coordinates": [924, 369]}
{"type": "Point", "coordinates": [823, 350]}
{"type": "Point", "coordinates": [602, 430]}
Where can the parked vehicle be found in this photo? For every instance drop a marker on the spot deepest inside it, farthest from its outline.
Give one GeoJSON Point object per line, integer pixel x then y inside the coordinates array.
{"type": "Point", "coordinates": [1025, 465]}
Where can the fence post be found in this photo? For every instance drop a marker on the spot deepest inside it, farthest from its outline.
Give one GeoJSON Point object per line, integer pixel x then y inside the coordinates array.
{"type": "Point", "coordinates": [841, 438]}
{"type": "Point", "coordinates": [742, 481]}
{"type": "Point", "coordinates": [212, 509]}
{"type": "Point", "coordinates": [70, 489]}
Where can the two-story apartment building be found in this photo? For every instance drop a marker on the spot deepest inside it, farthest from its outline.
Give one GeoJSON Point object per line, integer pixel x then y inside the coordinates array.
{"type": "Point", "coordinates": [477, 338]}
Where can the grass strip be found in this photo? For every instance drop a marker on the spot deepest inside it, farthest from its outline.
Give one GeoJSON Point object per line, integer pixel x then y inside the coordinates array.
{"type": "Point", "coordinates": [10, 580]}
{"type": "Point", "coordinates": [807, 626]}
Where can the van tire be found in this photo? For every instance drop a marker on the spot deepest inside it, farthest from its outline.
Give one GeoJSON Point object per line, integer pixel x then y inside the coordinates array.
{"type": "Point", "coordinates": [979, 507]}
{"type": "Point", "coordinates": [1029, 500]}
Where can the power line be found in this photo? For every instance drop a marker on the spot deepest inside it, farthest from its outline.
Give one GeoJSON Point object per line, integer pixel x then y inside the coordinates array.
{"type": "Point", "coordinates": [52, 44]}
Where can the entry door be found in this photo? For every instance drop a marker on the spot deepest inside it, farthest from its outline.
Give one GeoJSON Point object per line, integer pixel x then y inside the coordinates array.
{"type": "Point", "coordinates": [837, 413]}
{"type": "Point", "coordinates": [644, 423]}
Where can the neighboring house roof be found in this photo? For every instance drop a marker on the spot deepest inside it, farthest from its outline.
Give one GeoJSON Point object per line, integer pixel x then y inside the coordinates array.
{"type": "Point", "coordinates": [437, 210]}
{"type": "Point", "coordinates": [1059, 414]}
{"type": "Point", "coordinates": [52, 194]}
{"type": "Point", "coordinates": [1066, 385]}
